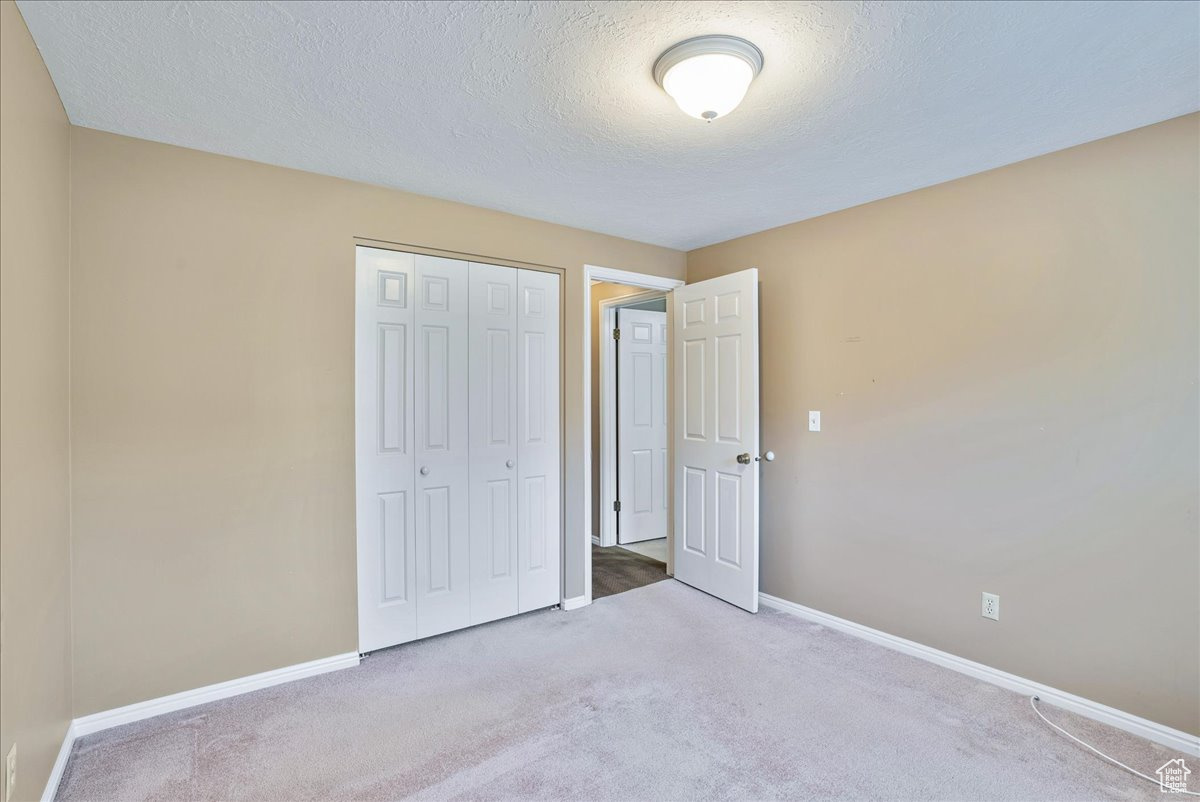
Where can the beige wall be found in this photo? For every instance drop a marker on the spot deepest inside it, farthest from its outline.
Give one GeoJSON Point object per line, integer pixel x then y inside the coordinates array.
{"type": "Point", "coordinates": [35, 649]}
{"type": "Point", "coordinates": [213, 404]}
{"type": "Point", "coordinates": [1007, 370]}
{"type": "Point", "coordinates": [601, 291]}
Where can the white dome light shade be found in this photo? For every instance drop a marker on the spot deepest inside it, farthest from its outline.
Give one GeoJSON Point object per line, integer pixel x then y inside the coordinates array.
{"type": "Point", "coordinates": [709, 86]}
{"type": "Point", "coordinates": [708, 76]}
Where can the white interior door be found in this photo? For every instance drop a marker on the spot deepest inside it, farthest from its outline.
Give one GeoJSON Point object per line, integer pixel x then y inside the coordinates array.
{"type": "Point", "coordinates": [387, 610]}
{"type": "Point", "coordinates": [641, 425]}
{"type": "Point", "coordinates": [443, 540]}
{"type": "Point", "coordinates": [493, 433]}
{"type": "Point", "coordinates": [539, 501]}
{"type": "Point", "coordinates": [716, 466]}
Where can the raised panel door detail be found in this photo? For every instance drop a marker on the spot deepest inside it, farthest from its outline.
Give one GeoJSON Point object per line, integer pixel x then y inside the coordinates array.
{"type": "Point", "coordinates": [729, 388]}
{"type": "Point", "coordinates": [643, 389]}
{"type": "Point", "coordinates": [535, 302]}
{"type": "Point", "coordinates": [729, 306]}
{"type": "Point", "coordinates": [499, 377]}
{"type": "Point", "coordinates": [393, 559]}
{"type": "Point", "coordinates": [435, 293]}
{"type": "Point", "coordinates": [497, 298]}
{"type": "Point", "coordinates": [533, 396]}
{"type": "Point", "coordinates": [693, 313]}
{"type": "Point", "coordinates": [438, 530]}
{"type": "Point", "coordinates": [392, 386]}
{"type": "Point", "coordinates": [641, 332]}
{"type": "Point", "coordinates": [436, 386]}
{"type": "Point", "coordinates": [393, 289]}
{"type": "Point", "coordinates": [729, 518]}
{"type": "Point", "coordinates": [499, 516]}
{"type": "Point", "coordinates": [662, 387]}
{"type": "Point", "coordinates": [535, 521]}
{"type": "Point", "coordinates": [643, 480]}
{"type": "Point", "coordinates": [693, 386]}
{"type": "Point", "coordinates": [693, 510]}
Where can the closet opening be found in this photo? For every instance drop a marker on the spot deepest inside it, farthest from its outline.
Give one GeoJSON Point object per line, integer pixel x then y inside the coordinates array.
{"type": "Point", "coordinates": [630, 398]}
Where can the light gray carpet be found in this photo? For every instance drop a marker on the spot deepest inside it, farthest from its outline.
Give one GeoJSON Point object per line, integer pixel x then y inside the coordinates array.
{"type": "Point", "coordinates": [616, 570]}
{"type": "Point", "coordinates": [661, 693]}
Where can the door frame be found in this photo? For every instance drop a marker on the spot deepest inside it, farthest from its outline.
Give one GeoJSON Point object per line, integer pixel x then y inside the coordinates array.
{"type": "Point", "coordinates": [608, 409]}
{"type": "Point", "coordinates": [650, 282]}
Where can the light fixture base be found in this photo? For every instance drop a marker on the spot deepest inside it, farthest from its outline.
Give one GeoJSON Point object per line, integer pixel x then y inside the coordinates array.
{"type": "Point", "coordinates": [704, 45]}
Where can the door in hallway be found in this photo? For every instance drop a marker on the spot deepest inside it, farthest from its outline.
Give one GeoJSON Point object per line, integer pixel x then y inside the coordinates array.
{"type": "Point", "coordinates": [641, 425]}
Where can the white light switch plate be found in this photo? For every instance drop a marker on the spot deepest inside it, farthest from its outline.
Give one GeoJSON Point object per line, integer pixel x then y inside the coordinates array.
{"type": "Point", "coordinates": [814, 420]}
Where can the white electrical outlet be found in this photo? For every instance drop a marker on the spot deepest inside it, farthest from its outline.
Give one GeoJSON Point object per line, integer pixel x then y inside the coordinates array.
{"type": "Point", "coordinates": [10, 773]}
{"type": "Point", "coordinates": [991, 606]}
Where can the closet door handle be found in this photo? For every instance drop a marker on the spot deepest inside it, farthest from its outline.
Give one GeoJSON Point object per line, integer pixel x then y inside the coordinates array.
{"type": "Point", "coordinates": [424, 470]}
{"type": "Point", "coordinates": [508, 464]}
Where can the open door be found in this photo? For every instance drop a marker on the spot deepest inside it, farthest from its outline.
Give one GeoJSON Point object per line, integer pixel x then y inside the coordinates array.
{"type": "Point", "coordinates": [716, 437]}
{"type": "Point", "coordinates": [642, 425]}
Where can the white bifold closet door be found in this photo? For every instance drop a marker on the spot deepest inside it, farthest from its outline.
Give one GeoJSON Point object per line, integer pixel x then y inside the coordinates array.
{"type": "Point", "coordinates": [442, 487]}
{"type": "Point", "coordinates": [539, 487]}
{"type": "Point", "coordinates": [458, 451]}
{"type": "Point", "coordinates": [493, 440]}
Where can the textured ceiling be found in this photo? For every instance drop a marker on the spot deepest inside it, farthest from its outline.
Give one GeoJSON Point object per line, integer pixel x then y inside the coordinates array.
{"type": "Point", "coordinates": [549, 110]}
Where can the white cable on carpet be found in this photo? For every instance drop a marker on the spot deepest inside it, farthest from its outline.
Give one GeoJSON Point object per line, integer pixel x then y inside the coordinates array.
{"type": "Point", "coordinates": [1033, 700]}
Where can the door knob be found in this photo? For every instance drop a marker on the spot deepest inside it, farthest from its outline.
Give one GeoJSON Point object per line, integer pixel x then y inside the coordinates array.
{"type": "Point", "coordinates": [743, 459]}
{"type": "Point", "coordinates": [424, 470]}
{"type": "Point", "coordinates": [508, 463]}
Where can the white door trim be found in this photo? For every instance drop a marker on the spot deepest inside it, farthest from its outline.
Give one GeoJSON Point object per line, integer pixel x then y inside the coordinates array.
{"type": "Point", "coordinates": [598, 273]}
{"type": "Point", "coordinates": [608, 411]}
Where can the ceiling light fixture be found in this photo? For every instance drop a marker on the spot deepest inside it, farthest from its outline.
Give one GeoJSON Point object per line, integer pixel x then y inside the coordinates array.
{"type": "Point", "coordinates": [708, 76]}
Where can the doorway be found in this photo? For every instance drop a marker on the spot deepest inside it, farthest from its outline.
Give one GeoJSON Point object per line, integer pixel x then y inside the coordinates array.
{"type": "Point", "coordinates": [713, 456]}
{"type": "Point", "coordinates": [631, 487]}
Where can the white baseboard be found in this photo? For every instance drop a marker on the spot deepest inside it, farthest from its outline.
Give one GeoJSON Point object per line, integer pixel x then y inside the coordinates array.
{"type": "Point", "coordinates": [60, 764]}
{"type": "Point", "coordinates": [210, 693]}
{"type": "Point", "coordinates": [86, 725]}
{"type": "Point", "coordinates": [574, 603]}
{"type": "Point", "coordinates": [1150, 730]}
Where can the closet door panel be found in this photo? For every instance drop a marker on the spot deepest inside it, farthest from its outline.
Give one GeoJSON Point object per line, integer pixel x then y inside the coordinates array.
{"type": "Point", "coordinates": [539, 534]}
{"type": "Point", "coordinates": [383, 353]}
{"type": "Point", "coordinates": [443, 569]}
{"type": "Point", "coordinates": [493, 441]}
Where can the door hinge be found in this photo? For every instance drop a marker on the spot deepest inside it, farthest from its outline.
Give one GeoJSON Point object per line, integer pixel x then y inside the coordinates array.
{"type": "Point", "coordinates": [616, 334]}
{"type": "Point", "coordinates": [616, 506]}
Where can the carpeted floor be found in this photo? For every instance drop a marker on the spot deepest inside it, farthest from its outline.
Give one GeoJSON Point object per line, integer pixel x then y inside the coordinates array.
{"type": "Point", "coordinates": [616, 570]}
{"type": "Point", "coordinates": [661, 693]}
